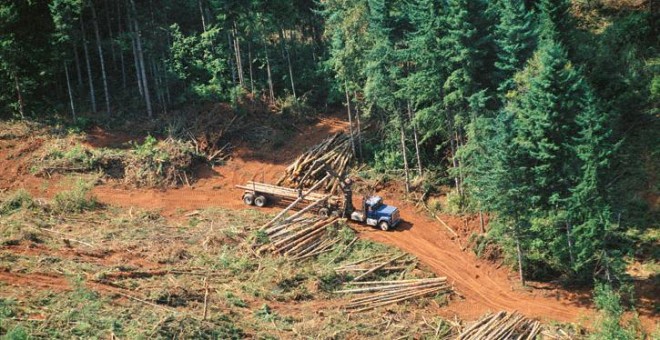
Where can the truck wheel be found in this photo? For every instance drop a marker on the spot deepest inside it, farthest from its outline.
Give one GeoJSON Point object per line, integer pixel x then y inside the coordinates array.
{"type": "Point", "coordinates": [324, 212]}
{"type": "Point", "coordinates": [260, 201]}
{"type": "Point", "coordinates": [384, 226]}
{"type": "Point", "coordinates": [248, 199]}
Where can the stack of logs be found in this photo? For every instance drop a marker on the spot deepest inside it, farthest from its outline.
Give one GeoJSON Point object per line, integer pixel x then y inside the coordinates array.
{"type": "Point", "coordinates": [382, 293]}
{"type": "Point", "coordinates": [379, 263]}
{"type": "Point", "coordinates": [302, 238]}
{"type": "Point", "coordinates": [502, 325]}
{"type": "Point", "coordinates": [334, 151]}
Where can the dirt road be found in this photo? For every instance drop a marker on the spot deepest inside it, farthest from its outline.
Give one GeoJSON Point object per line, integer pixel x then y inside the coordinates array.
{"type": "Point", "coordinates": [482, 285]}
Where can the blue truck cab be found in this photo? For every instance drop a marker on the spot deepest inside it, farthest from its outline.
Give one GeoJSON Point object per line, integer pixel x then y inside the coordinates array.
{"type": "Point", "coordinates": [376, 213]}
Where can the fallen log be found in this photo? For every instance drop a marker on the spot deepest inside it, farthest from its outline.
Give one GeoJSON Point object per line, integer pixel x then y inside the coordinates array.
{"type": "Point", "coordinates": [502, 325]}
{"type": "Point", "coordinates": [378, 267]}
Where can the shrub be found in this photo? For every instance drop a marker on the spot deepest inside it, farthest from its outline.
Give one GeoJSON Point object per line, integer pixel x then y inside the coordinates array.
{"type": "Point", "coordinates": [235, 300]}
{"type": "Point", "coordinates": [457, 204]}
{"type": "Point", "coordinates": [608, 303]}
{"type": "Point", "coordinates": [75, 200]}
{"type": "Point", "coordinates": [161, 163]}
{"type": "Point", "coordinates": [67, 155]}
{"type": "Point", "coordinates": [296, 109]}
{"type": "Point", "coordinates": [435, 206]}
{"type": "Point", "coordinates": [17, 333]}
{"type": "Point", "coordinates": [19, 199]}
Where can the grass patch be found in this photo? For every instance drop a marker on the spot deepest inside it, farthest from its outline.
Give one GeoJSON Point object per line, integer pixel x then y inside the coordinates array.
{"type": "Point", "coordinates": [20, 199]}
{"type": "Point", "coordinates": [75, 200]}
{"type": "Point", "coordinates": [172, 266]}
{"type": "Point", "coordinates": [153, 163]}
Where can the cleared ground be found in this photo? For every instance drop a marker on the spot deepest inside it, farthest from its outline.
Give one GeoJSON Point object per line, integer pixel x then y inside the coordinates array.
{"type": "Point", "coordinates": [482, 285]}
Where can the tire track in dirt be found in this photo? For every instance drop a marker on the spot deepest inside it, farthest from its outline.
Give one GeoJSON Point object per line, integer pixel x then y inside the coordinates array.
{"type": "Point", "coordinates": [484, 287]}
{"type": "Point", "coordinates": [36, 280]}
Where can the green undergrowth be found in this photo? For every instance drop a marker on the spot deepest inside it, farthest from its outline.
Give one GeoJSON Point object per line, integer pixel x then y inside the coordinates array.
{"type": "Point", "coordinates": [152, 163]}
{"type": "Point", "coordinates": [131, 273]}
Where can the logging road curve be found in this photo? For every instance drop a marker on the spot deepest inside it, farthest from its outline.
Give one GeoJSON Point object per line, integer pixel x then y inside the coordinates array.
{"type": "Point", "coordinates": [483, 286]}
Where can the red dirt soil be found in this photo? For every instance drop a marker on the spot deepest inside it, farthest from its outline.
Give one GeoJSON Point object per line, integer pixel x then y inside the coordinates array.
{"type": "Point", "coordinates": [483, 286]}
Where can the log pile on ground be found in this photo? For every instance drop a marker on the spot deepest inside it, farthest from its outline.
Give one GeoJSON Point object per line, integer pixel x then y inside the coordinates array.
{"type": "Point", "coordinates": [303, 237]}
{"type": "Point", "coordinates": [376, 264]}
{"type": "Point", "coordinates": [563, 332]}
{"type": "Point", "coordinates": [502, 325]}
{"type": "Point", "coordinates": [308, 168]}
{"type": "Point", "coordinates": [375, 294]}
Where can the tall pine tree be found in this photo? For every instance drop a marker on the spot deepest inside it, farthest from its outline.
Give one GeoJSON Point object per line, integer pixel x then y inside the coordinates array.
{"type": "Point", "coordinates": [515, 37]}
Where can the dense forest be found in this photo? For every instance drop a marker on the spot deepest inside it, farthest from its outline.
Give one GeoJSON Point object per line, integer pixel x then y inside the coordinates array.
{"type": "Point", "coordinates": [541, 113]}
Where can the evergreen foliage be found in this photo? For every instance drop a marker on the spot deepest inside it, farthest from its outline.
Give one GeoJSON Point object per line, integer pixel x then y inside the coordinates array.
{"type": "Point", "coordinates": [608, 301]}
{"type": "Point", "coordinates": [541, 113]}
{"type": "Point", "coordinates": [515, 37]}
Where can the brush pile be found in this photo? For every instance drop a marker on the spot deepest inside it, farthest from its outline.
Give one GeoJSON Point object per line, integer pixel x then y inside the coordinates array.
{"type": "Point", "coordinates": [209, 131]}
{"type": "Point", "coordinates": [308, 168]}
{"type": "Point", "coordinates": [381, 293]}
{"type": "Point", "coordinates": [166, 163]}
{"type": "Point", "coordinates": [376, 264]}
{"type": "Point", "coordinates": [302, 238]}
{"type": "Point", "coordinates": [502, 325]}
{"type": "Point", "coordinates": [209, 134]}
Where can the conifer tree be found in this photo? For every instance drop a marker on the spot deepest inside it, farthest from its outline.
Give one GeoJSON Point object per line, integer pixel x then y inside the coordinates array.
{"type": "Point", "coordinates": [515, 37]}
{"type": "Point", "coordinates": [422, 85]}
{"type": "Point", "coordinates": [598, 242]}
{"type": "Point", "coordinates": [499, 177]}
{"type": "Point", "coordinates": [463, 98]}
{"type": "Point", "coordinates": [555, 145]}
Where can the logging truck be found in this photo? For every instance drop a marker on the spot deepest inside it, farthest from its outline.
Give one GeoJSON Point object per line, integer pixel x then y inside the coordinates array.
{"type": "Point", "coordinates": [373, 211]}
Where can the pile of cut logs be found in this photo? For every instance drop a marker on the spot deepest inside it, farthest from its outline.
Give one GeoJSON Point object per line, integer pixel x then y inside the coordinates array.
{"type": "Point", "coordinates": [502, 325]}
{"type": "Point", "coordinates": [378, 263]}
{"type": "Point", "coordinates": [334, 152]}
{"type": "Point", "coordinates": [381, 293]}
{"type": "Point", "coordinates": [302, 238]}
